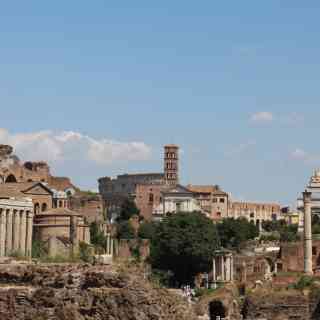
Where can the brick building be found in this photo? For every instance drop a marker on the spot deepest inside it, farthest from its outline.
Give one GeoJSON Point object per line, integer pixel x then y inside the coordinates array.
{"type": "Point", "coordinates": [212, 200]}
{"type": "Point", "coordinates": [144, 188]}
{"type": "Point", "coordinates": [254, 212]}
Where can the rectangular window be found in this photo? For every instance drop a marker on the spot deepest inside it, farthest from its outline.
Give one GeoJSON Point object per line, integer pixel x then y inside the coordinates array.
{"type": "Point", "coordinates": [214, 200]}
{"type": "Point", "coordinates": [221, 200]}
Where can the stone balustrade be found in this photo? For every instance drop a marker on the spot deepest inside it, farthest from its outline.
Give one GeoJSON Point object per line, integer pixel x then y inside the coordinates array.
{"type": "Point", "coordinates": [16, 225]}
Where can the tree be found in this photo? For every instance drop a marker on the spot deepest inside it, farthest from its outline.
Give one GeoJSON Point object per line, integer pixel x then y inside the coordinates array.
{"type": "Point", "coordinates": [184, 244]}
{"type": "Point", "coordinates": [147, 230]}
{"type": "Point", "coordinates": [97, 237]}
{"type": "Point", "coordinates": [125, 230]}
{"type": "Point", "coordinates": [235, 232]}
{"type": "Point", "coordinates": [128, 210]}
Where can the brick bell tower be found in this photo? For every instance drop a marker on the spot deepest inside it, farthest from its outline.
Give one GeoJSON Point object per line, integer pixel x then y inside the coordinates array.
{"type": "Point", "coordinates": [171, 164]}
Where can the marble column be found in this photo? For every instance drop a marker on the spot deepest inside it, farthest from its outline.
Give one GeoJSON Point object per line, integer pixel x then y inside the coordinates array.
{"type": "Point", "coordinates": [232, 270]}
{"type": "Point", "coordinates": [23, 232]}
{"type": "Point", "coordinates": [2, 232]}
{"type": "Point", "coordinates": [108, 244]}
{"type": "Point", "coordinates": [29, 234]}
{"type": "Point", "coordinates": [307, 233]}
{"type": "Point", "coordinates": [223, 275]}
{"type": "Point", "coordinates": [16, 230]}
{"type": "Point", "coordinates": [9, 231]}
{"type": "Point", "coordinates": [214, 271]}
{"type": "Point", "coordinates": [228, 271]}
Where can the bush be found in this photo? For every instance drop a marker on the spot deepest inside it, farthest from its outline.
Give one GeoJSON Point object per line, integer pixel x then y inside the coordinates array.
{"type": "Point", "coordinates": [85, 252]}
{"type": "Point", "coordinates": [304, 282]}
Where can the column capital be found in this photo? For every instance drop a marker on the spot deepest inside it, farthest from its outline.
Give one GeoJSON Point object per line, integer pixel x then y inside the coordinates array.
{"type": "Point", "coordinates": [307, 196]}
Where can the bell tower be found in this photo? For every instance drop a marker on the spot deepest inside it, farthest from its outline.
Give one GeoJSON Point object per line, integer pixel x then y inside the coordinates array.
{"type": "Point", "coordinates": [171, 164]}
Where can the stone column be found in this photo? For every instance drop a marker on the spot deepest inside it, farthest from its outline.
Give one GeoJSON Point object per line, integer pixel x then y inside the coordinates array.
{"type": "Point", "coordinates": [223, 275]}
{"type": "Point", "coordinates": [29, 234]}
{"type": "Point", "coordinates": [214, 271]}
{"type": "Point", "coordinates": [2, 232]}
{"type": "Point", "coordinates": [23, 232]}
{"type": "Point", "coordinates": [307, 233]}
{"type": "Point", "coordinates": [228, 271]}
{"type": "Point", "coordinates": [108, 244]}
{"type": "Point", "coordinates": [232, 270]}
{"type": "Point", "coordinates": [9, 244]}
{"type": "Point", "coordinates": [74, 234]}
{"type": "Point", "coordinates": [16, 230]}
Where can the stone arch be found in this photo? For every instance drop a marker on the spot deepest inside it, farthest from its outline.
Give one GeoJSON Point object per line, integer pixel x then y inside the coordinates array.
{"type": "Point", "coordinates": [44, 207]}
{"type": "Point", "coordinates": [217, 309]}
{"type": "Point", "coordinates": [11, 179]}
{"type": "Point", "coordinates": [36, 208]}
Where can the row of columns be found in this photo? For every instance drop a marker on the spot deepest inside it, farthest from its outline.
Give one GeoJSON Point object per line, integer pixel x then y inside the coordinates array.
{"type": "Point", "coordinates": [15, 232]}
{"type": "Point", "coordinates": [223, 268]}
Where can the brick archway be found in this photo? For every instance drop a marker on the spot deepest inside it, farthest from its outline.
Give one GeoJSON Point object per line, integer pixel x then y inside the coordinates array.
{"type": "Point", "coordinates": [11, 179]}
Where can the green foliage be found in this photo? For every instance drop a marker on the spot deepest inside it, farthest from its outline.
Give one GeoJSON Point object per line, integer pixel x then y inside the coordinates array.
{"type": "Point", "coordinates": [274, 236]}
{"type": "Point", "coordinates": [288, 233]}
{"type": "Point", "coordinates": [234, 233]}
{"type": "Point", "coordinates": [128, 210]}
{"type": "Point", "coordinates": [315, 224]}
{"type": "Point", "coordinates": [85, 253]}
{"type": "Point", "coordinates": [38, 249]}
{"type": "Point", "coordinates": [162, 278]}
{"type": "Point", "coordinates": [125, 230]}
{"type": "Point", "coordinates": [147, 230]}
{"type": "Point", "coordinates": [201, 292]}
{"type": "Point", "coordinates": [184, 245]}
{"type": "Point", "coordinates": [304, 282]}
{"type": "Point", "coordinates": [97, 238]}
{"type": "Point", "coordinates": [18, 255]}
{"type": "Point", "coordinates": [271, 226]}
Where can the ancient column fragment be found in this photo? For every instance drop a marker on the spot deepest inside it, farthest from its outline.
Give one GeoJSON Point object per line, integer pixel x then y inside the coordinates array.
{"type": "Point", "coordinates": [74, 234]}
{"type": "Point", "coordinates": [16, 230]}
{"type": "Point", "coordinates": [9, 232]}
{"type": "Point", "coordinates": [307, 233]}
{"type": "Point", "coordinates": [29, 234]}
{"type": "Point", "coordinates": [2, 232]}
{"type": "Point", "coordinates": [23, 232]}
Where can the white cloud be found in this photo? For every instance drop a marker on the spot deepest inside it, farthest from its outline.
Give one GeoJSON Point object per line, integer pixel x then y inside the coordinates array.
{"type": "Point", "coordinates": [55, 147]}
{"type": "Point", "coordinates": [299, 154]}
{"type": "Point", "coordinates": [241, 148]}
{"type": "Point", "coordinates": [263, 116]}
{"type": "Point", "coordinates": [308, 158]}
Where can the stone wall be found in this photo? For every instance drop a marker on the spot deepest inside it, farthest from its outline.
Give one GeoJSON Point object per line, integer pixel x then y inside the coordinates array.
{"type": "Point", "coordinates": [80, 292]}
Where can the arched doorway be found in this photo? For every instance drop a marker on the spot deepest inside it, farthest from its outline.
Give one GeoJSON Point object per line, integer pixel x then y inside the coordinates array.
{"type": "Point", "coordinates": [11, 179]}
{"type": "Point", "coordinates": [216, 309]}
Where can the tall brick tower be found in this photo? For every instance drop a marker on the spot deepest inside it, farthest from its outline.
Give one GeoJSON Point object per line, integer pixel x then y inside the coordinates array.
{"type": "Point", "coordinates": [171, 164]}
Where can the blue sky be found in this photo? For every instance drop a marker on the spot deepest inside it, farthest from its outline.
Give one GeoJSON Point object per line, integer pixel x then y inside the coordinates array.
{"type": "Point", "coordinates": [235, 84]}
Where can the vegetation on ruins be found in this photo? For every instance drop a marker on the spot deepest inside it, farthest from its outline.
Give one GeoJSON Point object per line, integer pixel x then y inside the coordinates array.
{"type": "Point", "coordinates": [128, 210]}
{"type": "Point", "coordinates": [183, 246]}
{"type": "Point", "coordinates": [234, 233]}
{"type": "Point", "coordinates": [147, 229]}
{"type": "Point", "coordinates": [125, 230]}
{"type": "Point", "coordinates": [97, 238]}
{"type": "Point", "coordinates": [280, 230]}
